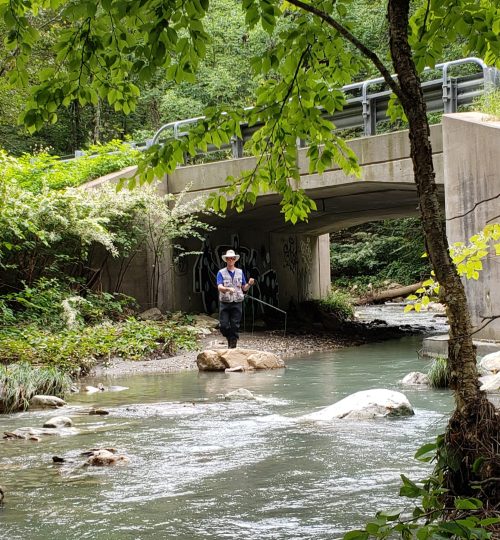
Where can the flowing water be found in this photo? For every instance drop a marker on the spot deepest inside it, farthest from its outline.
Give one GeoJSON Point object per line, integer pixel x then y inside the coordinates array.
{"type": "Point", "coordinates": [205, 468]}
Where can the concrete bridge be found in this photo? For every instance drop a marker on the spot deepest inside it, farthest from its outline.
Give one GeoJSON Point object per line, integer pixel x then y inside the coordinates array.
{"type": "Point", "coordinates": [292, 263]}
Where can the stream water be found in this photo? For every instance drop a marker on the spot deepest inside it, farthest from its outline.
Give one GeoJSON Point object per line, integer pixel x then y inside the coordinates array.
{"type": "Point", "coordinates": [205, 468]}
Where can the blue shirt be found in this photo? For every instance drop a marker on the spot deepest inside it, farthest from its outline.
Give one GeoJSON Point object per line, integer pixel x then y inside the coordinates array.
{"type": "Point", "coordinates": [220, 279]}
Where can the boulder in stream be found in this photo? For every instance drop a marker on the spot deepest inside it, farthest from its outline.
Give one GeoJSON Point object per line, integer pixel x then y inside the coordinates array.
{"type": "Point", "coordinates": [94, 389]}
{"type": "Point", "coordinates": [58, 421]}
{"type": "Point", "coordinates": [34, 434]}
{"type": "Point", "coordinates": [246, 359]}
{"type": "Point", "coordinates": [46, 402]}
{"type": "Point", "coordinates": [104, 457]}
{"type": "Point", "coordinates": [490, 364]}
{"type": "Point", "coordinates": [240, 393]}
{"type": "Point", "coordinates": [99, 412]}
{"type": "Point", "coordinates": [490, 383]}
{"type": "Point", "coordinates": [117, 388]}
{"type": "Point", "coordinates": [415, 378]}
{"type": "Point", "coordinates": [364, 405]}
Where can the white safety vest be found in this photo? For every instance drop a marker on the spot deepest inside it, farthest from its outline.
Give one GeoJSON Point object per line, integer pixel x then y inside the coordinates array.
{"type": "Point", "coordinates": [236, 283]}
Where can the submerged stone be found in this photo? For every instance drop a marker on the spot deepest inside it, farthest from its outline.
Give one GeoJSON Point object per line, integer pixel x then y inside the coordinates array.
{"type": "Point", "coordinates": [240, 393]}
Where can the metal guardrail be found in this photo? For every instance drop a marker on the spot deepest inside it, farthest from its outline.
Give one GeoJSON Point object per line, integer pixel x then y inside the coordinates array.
{"type": "Point", "coordinates": [365, 109]}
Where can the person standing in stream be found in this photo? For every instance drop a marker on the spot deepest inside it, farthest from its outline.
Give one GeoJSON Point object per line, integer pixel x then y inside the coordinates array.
{"type": "Point", "coordinates": [231, 284]}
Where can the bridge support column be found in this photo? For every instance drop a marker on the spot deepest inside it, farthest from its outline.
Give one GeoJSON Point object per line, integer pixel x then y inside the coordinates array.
{"type": "Point", "coordinates": [472, 186]}
{"type": "Point", "coordinates": [302, 263]}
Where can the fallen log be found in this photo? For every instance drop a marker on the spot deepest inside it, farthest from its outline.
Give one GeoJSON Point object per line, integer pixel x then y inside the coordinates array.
{"type": "Point", "coordinates": [378, 297]}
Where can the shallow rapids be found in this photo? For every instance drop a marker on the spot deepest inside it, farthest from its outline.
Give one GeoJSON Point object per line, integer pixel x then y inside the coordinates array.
{"type": "Point", "coordinates": [205, 468]}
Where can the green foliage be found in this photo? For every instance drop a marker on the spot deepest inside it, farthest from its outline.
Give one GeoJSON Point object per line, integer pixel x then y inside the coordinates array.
{"type": "Point", "coordinates": [468, 259]}
{"type": "Point", "coordinates": [428, 519]}
{"type": "Point", "coordinates": [378, 251]}
{"type": "Point", "coordinates": [42, 170]}
{"type": "Point", "coordinates": [20, 382]}
{"type": "Point", "coordinates": [489, 104]}
{"type": "Point", "coordinates": [52, 233]}
{"type": "Point", "coordinates": [338, 303]}
{"type": "Point", "coordinates": [438, 373]}
{"type": "Point", "coordinates": [53, 304]}
{"type": "Point", "coordinates": [76, 350]}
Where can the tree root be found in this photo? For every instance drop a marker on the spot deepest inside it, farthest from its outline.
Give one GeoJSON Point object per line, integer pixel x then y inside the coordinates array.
{"type": "Point", "coordinates": [472, 460]}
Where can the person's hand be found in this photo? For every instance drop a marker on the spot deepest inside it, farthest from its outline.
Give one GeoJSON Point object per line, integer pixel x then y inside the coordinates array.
{"type": "Point", "coordinates": [251, 281]}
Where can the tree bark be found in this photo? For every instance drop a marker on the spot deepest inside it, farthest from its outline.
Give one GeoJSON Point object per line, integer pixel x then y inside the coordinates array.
{"type": "Point", "coordinates": [462, 357]}
{"type": "Point", "coordinates": [473, 431]}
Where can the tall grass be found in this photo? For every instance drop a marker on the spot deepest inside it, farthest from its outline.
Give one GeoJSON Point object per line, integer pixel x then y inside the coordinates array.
{"type": "Point", "coordinates": [339, 303]}
{"type": "Point", "coordinates": [438, 373]}
{"type": "Point", "coordinates": [489, 103]}
{"type": "Point", "coordinates": [20, 382]}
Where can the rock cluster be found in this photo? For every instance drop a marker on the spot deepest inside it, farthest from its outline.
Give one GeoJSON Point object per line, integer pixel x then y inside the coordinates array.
{"type": "Point", "coordinates": [97, 457]}
{"type": "Point", "coordinates": [237, 360]}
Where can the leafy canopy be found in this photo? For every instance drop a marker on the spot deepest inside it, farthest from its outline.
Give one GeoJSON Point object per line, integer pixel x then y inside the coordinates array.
{"type": "Point", "coordinates": [104, 49]}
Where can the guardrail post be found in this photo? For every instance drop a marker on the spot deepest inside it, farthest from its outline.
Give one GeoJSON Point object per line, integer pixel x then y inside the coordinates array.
{"type": "Point", "coordinates": [149, 143]}
{"type": "Point", "coordinates": [237, 147]}
{"type": "Point", "coordinates": [450, 96]}
{"type": "Point", "coordinates": [369, 116]}
{"type": "Point", "coordinates": [79, 153]}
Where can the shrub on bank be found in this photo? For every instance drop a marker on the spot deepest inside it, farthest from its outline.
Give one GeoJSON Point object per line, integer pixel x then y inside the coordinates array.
{"type": "Point", "coordinates": [438, 373]}
{"type": "Point", "coordinates": [20, 382]}
{"type": "Point", "coordinates": [77, 350]}
{"type": "Point", "coordinates": [338, 303]}
{"type": "Point", "coordinates": [35, 171]}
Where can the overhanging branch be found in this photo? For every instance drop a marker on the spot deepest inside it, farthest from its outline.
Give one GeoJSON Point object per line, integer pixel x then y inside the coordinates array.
{"type": "Point", "coordinates": [343, 31]}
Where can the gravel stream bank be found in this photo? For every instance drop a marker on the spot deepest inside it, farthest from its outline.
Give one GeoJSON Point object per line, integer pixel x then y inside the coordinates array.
{"type": "Point", "coordinates": [372, 323]}
{"type": "Point", "coordinates": [276, 342]}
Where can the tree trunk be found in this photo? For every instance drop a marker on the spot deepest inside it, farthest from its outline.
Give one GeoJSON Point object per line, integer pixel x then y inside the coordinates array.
{"type": "Point", "coordinates": [474, 426]}
{"type": "Point", "coordinates": [96, 128]}
{"type": "Point", "coordinates": [388, 294]}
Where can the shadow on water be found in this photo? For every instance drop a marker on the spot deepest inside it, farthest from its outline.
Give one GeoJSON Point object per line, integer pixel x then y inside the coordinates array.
{"type": "Point", "coordinates": [205, 468]}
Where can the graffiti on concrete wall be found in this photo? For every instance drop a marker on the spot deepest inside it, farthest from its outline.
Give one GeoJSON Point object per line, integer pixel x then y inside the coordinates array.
{"type": "Point", "coordinates": [305, 256]}
{"type": "Point", "coordinates": [290, 255]}
{"type": "Point", "coordinates": [254, 263]}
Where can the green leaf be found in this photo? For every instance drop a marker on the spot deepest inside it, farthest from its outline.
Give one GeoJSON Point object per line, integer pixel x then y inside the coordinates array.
{"type": "Point", "coordinates": [356, 535]}
{"type": "Point", "coordinates": [421, 453]}
{"type": "Point", "coordinates": [468, 504]}
{"type": "Point", "coordinates": [409, 488]}
{"type": "Point", "coordinates": [222, 203]}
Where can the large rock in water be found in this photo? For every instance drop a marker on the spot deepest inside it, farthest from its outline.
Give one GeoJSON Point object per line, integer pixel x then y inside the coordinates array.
{"type": "Point", "coordinates": [490, 363]}
{"type": "Point", "coordinates": [365, 405]}
{"type": "Point", "coordinates": [58, 422]}
{"type": "Point", "coordinates": [46, 402]}
{"type": "Point", "coordinates": [246, 359]}
{"type": "Point", "coordinates": [490, 383]}
{"type": "Point", "coordinates": [415, 378]}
